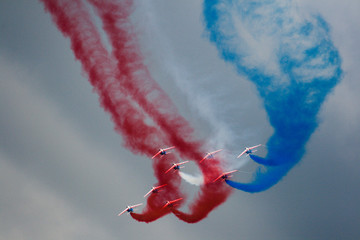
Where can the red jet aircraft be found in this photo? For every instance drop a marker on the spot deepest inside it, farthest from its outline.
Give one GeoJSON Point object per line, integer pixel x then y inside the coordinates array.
{"type": "Point", "coordinates": [176, 166]}
{"type": "Point", "coordinates": [210, 155]}
{"type": "Point", "coordinates": [248, 150]}
{"type": "Point", "coordinates": [129, 209]}
{"type": "Point", "coordinates": [162, 151]}
{"type": "Point", "coordinates": [154, 190]}
{"type": "Point", "coordinates": [171, 203]}
{"type": "Point", "coordinates": [225, 175]}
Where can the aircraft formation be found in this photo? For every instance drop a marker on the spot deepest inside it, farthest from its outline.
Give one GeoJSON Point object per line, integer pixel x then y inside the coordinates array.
{"type": "Point", "coordinates": [176, 166]}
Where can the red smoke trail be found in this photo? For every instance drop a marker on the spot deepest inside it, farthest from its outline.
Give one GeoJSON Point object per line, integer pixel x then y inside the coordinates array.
{"type": "Point", "coordinates": [125, 49]}
{"type": "Point", "coordinates": [131, 77]}
{"type": "Point", "coordinates": [73, 21]}
{"type": "Point", "coordinates": [138, 82]}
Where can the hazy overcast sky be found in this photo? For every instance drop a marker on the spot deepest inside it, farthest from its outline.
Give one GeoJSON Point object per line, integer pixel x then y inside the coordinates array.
{"type": "Point", "coordinates": [64, 173]}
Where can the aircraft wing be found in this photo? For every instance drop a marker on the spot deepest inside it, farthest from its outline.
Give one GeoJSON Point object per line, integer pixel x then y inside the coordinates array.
{"type": "Point", "coordinates": [178, 164]}
{"type": "Point", "coordinates": [216, 151]}
{"type": "Point", "coordinates": [242, 153]}
{"type": "Point", "coordinates": [156, 154]}
{"type": "Point", "coordinates": [218, 178]}
{"type": "Point", "coordinates": [136, 205]}
{"type": "Point", "coordinates": [165, 149]}
{"type": "Point", "coordinates": [160, 186]}
{"type": "Point", "coordinates": [208, 154]}
{"type": "Point", "coordinates": [176, 200]}
{"type": "Point", "coordinates": [169, 169]}
{"type": "Point", "coordinates": [123, 212]}
{"type": "Point", "coordinates": [230, 172]}
{"type": "Point", "coordinates": [255, 146]}
{"type": "Point", "coordinates": [148, 193]}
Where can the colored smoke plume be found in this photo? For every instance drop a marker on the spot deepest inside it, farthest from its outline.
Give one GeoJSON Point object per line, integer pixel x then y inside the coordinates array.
{"type": "Point", "coordinates": [141, 111]}
{"type": "Point", "coordinates": [293, 64]}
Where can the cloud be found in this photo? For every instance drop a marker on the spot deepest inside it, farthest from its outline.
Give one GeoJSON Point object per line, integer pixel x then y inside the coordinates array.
{"type": "Point", "coordinates": [45, 145]}
{"type": "Point", "coordinates": [32, 210]}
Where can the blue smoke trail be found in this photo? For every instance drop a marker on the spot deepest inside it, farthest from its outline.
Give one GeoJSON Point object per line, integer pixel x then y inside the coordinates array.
{"type": "Point", "coordinates": [293, 63]}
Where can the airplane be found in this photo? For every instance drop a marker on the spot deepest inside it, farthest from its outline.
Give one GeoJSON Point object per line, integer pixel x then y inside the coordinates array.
{"type": "Point", "coordinates": [171, 203]}
{"type": "Point", "coordinates": [176, 166]}
{"type": "Point", "coordinates": [225, 175]}
{"type": "Point", "coordinates": [154, 190]}
{"type": "Point", "coordinates": [130, 209]}
{"type": "Point", "coordinates": [248, 150]}
{"type": "Point", "coordinates": [162, 151]}
{"type": "Point", "coordinates": [210, 154]}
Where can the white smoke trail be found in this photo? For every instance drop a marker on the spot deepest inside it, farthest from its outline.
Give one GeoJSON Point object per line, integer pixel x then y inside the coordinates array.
{"type": "Point", "coordinates": [196, 180]}
{"type": "Point", "coordinates": [210, 98]}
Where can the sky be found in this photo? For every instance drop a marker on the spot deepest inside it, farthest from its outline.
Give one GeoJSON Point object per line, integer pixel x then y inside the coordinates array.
{"type": "Point", "coordinates": [65, 173]}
